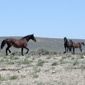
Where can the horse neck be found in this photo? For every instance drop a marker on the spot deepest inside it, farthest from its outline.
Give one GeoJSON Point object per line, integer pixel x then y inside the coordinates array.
{"type": "Point", "coordinates": [27, 39]}
{"type": "Point", "coordinates": [66, 41]}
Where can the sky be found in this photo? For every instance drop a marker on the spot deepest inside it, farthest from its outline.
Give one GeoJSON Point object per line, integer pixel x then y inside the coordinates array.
{"type": "Point", "coordinates": [43, 18]}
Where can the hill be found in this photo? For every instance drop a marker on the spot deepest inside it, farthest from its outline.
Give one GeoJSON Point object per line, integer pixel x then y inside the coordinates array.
{"type": "Point", "coordinates": [49, 44]}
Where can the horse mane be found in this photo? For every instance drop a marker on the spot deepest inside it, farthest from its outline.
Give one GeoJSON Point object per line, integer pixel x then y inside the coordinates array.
{"type": "Point", "coordinates": [26, 36]}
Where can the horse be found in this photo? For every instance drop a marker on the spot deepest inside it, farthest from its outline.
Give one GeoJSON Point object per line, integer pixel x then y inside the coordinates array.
{"type": "Point", "coordinates": [77, 45]}
{"type": "Point", "coordinates": [17, 43]}
{"type": "Point", "coordinates": [67, 45]}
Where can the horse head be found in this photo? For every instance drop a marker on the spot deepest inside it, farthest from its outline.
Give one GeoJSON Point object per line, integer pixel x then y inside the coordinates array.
{"type": "Point", "coordinates": [65, 39]}
{"type": "Point", "coordinates": [33, 38]}
{"type": "Point", "coordinates": [28, 37]}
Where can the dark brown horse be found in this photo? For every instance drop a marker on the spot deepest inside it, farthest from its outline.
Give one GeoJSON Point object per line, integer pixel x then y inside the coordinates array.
{"type": "Point", "coordinates": [77, 45]}
{"type": "Point", "coordinates": [18, 43]}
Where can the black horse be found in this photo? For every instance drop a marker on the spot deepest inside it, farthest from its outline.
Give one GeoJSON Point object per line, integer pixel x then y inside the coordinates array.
{"type": "Point", "coordinates": [67, 45]}
{"type": "Point", "coordinates": [18, 43]}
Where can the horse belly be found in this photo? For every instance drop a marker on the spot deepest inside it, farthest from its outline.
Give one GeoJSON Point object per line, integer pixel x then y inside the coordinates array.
{"type": "Point", "coordinates": [19, 44]}
{"type": "Point", "coordinates": [76, 46]}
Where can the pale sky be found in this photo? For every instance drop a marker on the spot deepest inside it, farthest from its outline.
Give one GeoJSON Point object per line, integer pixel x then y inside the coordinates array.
{"type": "Point", "coordinates": [44, 18]}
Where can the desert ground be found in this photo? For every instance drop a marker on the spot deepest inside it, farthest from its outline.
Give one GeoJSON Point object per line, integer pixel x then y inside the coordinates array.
{"type": "Point", "coordinates": [45, 64]}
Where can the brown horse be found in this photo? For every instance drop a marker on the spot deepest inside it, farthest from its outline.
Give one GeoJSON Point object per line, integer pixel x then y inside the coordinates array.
{"type": "Point", "coordinates": [18, 43]}
{"type": "Point", "coordinates": [77, 45]}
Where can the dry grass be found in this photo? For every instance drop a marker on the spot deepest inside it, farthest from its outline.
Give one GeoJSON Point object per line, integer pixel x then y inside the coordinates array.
{"type": "Point", "coordinates": [42, 69]}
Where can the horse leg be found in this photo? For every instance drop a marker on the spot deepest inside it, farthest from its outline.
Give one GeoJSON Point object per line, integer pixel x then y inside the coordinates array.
{"type": "Point", "coordinates": [80, 49]}
{"type": "Point", "coordinates": [69, 49]}
{"type": "Point", "coordinates": [73, 50]}
{"type": "Point", "coordinates": [65, 50]}
{"type": "Point", "coordinates": [22, 51]}
{"type": "Point", "coordinates": [7, 50]}
{"type": "Point", "coordinates": [27, 50]}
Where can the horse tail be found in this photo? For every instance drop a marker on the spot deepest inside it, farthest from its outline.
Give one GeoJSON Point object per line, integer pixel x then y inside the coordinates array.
{"type": "Point", "coordinates": [3, 43]}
